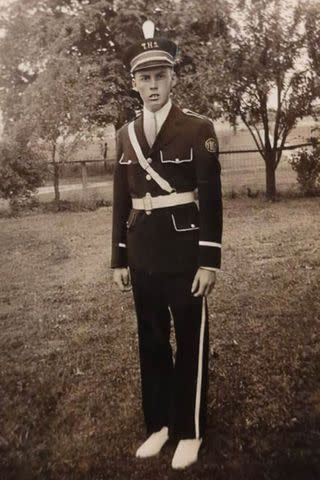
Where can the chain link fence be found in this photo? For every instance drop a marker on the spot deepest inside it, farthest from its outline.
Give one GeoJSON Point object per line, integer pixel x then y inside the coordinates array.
{"type": "Point", "coordinates": [243, 171]}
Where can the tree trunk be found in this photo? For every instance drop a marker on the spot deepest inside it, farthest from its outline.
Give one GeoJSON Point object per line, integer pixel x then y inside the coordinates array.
{"type": "Point", "coordinates": [56, 175]}
{"type": "Point", "coordinates": [270, 176]}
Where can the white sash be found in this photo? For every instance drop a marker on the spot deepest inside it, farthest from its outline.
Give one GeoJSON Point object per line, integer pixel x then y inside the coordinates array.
{"type": "Point", "coordinates": [143, 162]}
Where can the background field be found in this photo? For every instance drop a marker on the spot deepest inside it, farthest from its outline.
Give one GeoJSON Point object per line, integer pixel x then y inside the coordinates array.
{"type": "Point", "coordinates": [69, 373]}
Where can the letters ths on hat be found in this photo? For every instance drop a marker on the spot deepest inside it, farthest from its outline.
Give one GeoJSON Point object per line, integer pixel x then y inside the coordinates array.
{"type": "Point", "coordinates": [151, 52]}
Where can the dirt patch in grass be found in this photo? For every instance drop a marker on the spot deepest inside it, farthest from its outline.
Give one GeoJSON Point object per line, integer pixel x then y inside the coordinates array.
{"type": "Point", "coordinates": [69, 372]}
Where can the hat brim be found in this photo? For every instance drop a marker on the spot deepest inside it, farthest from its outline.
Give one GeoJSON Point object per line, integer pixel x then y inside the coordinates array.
{"type": "Point", "coordinates": [152, 64]}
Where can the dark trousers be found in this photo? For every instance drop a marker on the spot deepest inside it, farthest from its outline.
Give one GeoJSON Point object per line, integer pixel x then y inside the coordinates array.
{"type": "Point", "coordinates": [174, 391]}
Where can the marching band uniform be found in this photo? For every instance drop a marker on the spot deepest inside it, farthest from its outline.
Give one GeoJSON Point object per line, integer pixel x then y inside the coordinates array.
{"type": "Point", "coordinates": [163, 233]}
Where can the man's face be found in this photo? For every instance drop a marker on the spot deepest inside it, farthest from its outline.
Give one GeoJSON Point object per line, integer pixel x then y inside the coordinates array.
{"type": "Point", "coordinates": [154, 86]}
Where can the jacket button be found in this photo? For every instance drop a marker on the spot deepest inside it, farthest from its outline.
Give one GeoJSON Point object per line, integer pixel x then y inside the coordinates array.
{"type": "Point", "coordinates": [148, 177]}
{"type": "Point", "coordinates": [177, 160]}
{"type": "Point", "coordinates": [149, 160]}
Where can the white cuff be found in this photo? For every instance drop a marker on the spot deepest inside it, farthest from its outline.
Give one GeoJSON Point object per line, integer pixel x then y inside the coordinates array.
{"type": "Point", "coordinates": [212, 269]}
{"type": "Point", "coordinates": [204, 243]}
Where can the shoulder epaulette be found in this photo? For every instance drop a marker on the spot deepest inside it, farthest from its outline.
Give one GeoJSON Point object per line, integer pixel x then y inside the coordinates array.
{"type": "Point", "coordinates": [197, 115]}
{"type": "Point", "coordinates": [194, 114]}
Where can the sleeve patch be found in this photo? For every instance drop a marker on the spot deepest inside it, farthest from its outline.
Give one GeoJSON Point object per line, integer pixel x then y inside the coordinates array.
{"type": "Point", "coordinates": [211, 145]}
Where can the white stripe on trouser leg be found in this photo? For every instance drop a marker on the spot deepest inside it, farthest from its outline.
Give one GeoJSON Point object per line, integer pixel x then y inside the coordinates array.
{"type": "Point", "coordinates": [174, 345]}
{"type": "Point", "coordinates": [200, 364]}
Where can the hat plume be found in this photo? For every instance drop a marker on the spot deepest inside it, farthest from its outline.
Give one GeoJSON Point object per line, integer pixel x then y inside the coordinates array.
{"type": "Point", "coordinates": [148, 29]}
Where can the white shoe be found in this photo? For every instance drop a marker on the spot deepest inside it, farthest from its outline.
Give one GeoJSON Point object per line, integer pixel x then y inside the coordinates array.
{"type": "Point", "coordinates": [186, 453]}
{"type": "Point", "coordinates": [153, 444]}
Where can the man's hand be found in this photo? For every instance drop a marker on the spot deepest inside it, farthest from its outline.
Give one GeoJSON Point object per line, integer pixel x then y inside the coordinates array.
{"type": "Point", "coordinates": [121, 277]}
{"type": "Point", "coordinates": [203, 282]}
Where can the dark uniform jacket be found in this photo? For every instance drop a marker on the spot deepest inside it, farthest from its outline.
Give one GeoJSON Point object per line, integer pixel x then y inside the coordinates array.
{"type": "Point", "coordinates": [171, 239]}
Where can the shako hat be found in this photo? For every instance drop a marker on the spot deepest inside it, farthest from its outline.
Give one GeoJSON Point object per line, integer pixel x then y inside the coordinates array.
{"type": "Point", "coordinates": [151, 52]}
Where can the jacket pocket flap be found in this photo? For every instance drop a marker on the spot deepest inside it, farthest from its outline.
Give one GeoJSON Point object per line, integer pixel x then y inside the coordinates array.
{"type": "Point", "coordinates": [168, 157]}
{"type": "Point", "coordinates": [185, 218]}
{"type": "Point", "coordinates": [126, 160]}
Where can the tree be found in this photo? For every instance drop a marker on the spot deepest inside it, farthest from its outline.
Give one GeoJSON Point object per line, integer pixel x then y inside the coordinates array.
{"type": "Point", "coordinates": [265, 56]}
{"type": "Point", "coordinates": [95, 33]}
{"type": "Point", "coordinates": [202, 30]}
{"type": "Point", "coordinates": [51, 74]}
{"type": "Point", "coordinates": [313, 34]}
{"type": "Point", "coordinates": [56, 105]}
{"type": "Point", "coordinates": [91, 33]}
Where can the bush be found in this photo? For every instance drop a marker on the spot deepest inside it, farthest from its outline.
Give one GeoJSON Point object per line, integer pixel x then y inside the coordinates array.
{"type": "Point", "coordinates": [307, 166]}
{"type": "Point", "coordinates": [83, 202]}
{"type": "Point", "coordinates": [21, 171]}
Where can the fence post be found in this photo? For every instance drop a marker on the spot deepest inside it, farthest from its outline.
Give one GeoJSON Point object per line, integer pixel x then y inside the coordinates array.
{"type": "Point", "coordinates": [84, 174]}
{"type": "Point", "coordinates": [105, 153]}
{"type": "Point", "coordinates": [56, 175]}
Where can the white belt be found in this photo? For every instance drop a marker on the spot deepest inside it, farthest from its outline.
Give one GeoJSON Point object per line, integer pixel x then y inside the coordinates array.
{"type": "Point", "coordinates": [149, 203]}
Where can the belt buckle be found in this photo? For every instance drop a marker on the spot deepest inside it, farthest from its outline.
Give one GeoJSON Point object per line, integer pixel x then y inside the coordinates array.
{"type": "Point", "coordinates": [147, 203]}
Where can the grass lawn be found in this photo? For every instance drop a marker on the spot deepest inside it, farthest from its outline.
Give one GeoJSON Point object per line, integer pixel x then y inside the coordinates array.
{"type": "Point", "coordinates": [69, 372]}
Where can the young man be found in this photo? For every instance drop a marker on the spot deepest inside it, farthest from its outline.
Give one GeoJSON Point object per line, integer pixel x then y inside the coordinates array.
{"type": "Point", "coordinates": [167, 247]}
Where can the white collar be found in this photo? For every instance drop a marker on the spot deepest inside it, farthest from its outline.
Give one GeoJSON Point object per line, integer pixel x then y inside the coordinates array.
{"type": "Point", "coordinates": [161, 115]}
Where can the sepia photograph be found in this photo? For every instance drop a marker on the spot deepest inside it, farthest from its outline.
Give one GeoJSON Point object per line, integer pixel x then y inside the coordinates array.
{"type": "Point", "coordinates": [160, 239]}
